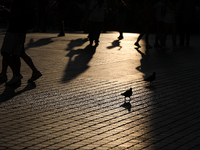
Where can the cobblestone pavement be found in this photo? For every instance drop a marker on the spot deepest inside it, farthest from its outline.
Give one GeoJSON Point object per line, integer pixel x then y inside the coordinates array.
{"type": "Point", "coordinates": [77, 103]}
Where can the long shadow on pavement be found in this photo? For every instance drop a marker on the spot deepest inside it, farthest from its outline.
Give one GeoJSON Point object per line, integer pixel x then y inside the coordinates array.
{"type": "Point", "coordinates": [77, 42]}
{"type": "Point", "coordinates": [40, 42]}
{"type": "Point", "coordinates": [78, 62]}
{"type": "Point", "coordinates": [9, 91]}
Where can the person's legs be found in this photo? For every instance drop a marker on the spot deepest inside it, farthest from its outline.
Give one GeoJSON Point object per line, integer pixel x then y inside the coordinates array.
{"type": "Point", "coordinates": [60, 17]}
{"type": "Point", "coordinates": [29, 62]}
{"type": "Point", "coordinates": [92, 32]}
{"type": "Point", "coordinates": [120, 29]}
{"type": "Point", "coordinates": [173, 27]}
{"type": "Point", "coordinates": [159, 34]}
{"type": "Point", "coordinates": [35, 73]}
{"type": "Point", "coordinates": [188, 33]}
{"type": "Point", "coordinates": [98, 27]}
{"type": "Point", "coordinates": [3, 74]}
{"type": "Point", "coordinates": [8, 60]}
{"type": "Point", "coordinates": [166, 31]}
{"type": "Point", "coordinates": [4, 67]}
{"type": "Point", "coordinates": [14, 63]}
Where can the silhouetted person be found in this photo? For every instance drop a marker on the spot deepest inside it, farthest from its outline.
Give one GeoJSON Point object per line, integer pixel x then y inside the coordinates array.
{"type": "Point", "coordinates": [120, 15]}
{"type": "Point", "coordinates": [145, 16]}
{"type": "Point", "coordinates": [160, 12]}
{"type": "Point", "coordinates": [61, 6]}
{"type": "Point", "coordinates": [13, 45]}
{"type": "Point", "coordinates": [186, 19]}
{"type": "Point", "coordinates": [97, 8]}
{"type": "Point", "coordinates": [170, 23]}
{"type": "Point", "coordinates": [43, 8]}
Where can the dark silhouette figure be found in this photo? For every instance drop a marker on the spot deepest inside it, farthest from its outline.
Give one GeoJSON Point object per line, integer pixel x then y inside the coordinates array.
{"type": "Point", "coordinates": [128, 94]}
{"type": "Point", "coordinates": [145, 16]}
{"type": "Point", "coordinates": [170, 24]}
{"type": "Point", "coordinates": [120, 15]}
{"type": "Point", "coordinates": [151, 78]}
{"type": "Point", "coordinates": [13, 45]}
{"type": "Point", "coordinates": [60, 9]}
{"type": "Point", "coordinates": [97, 9]}
{"type": "Point", "coordinates": [43, 9]}
{"type": "Point", "coordinates": [160, 12]}
{"type": "Point", "coordinates": [186, 20]}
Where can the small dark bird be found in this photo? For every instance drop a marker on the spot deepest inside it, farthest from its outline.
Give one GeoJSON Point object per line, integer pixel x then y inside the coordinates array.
{"type": "Point", "coordinates": [151, 78]}
{"type": "Point", "coordinates": [128, 93]}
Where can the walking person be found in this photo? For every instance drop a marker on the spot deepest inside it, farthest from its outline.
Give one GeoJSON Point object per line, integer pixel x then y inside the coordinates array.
{"type": "Point", "coordinates": [170, 23]}
{"type": "Point", "coordinates": [43, 9]}
{"type": "Point", "coordinates": [145, 16]}
{"type": "Point", "coordinates": [20, 18]}
{"type": "Point", "coordinates": [120, 15]}
{"type": "Point", "coordinates": [186, 19]}
{"type": "Point", "coordinates": [96, 19]}
{"type": "Point", "coordinates": [160, 11]}
{"type": "Point", "coordinates": [61, 10]}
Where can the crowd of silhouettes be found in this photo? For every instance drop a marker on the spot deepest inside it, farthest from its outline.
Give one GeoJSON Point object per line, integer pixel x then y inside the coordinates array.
{"type": "Point", "coordinates": [21, 19]}
{"type": "Point", "coordinates": [177, 16]}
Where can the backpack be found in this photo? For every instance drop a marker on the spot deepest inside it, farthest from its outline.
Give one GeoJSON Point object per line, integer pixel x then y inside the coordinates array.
{"type": "Point", "coordinates": [31, 16]}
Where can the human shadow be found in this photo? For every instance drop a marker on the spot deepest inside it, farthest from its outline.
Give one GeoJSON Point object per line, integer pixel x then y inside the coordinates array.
{"type": "Point", "coordinates": [126, 105]}
{"type": "Point", "coordinates": [77, 42]}
{"type": "Point", "coordinates": [115, 43]}
{"type": "Point", "coordinates": [9, 91]}
{"type": "Point", "coordinates": [41, 42]}
{"type": "Point", "coordinates": [143, 61]}
{"type": "Point", "coordinates": [144, 66]}
{"type": "Point", "coordinates": [78, 62]}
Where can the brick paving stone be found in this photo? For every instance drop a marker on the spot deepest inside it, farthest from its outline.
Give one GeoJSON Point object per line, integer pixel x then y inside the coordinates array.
{"type": "Point", "coordinates": [76, 104]}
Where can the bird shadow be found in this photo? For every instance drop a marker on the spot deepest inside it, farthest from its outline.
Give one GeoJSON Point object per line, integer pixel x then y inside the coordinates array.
{"type": "Point", "coordinates": [9, 91]}
{"type": "Point", "coordinates": [126, 105]}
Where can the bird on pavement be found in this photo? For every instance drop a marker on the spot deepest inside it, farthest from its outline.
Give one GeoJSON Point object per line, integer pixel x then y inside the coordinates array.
{"type": "Point", "coordinates": [151, 78]}
{"type": "Point", "coordinates": [127, 93]}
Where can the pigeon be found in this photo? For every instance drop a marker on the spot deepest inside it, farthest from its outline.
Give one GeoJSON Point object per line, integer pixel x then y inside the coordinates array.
{"type": "Point", "coordinates": [127, 93]}
{"type": "Point", "coordinates": [151, 78]}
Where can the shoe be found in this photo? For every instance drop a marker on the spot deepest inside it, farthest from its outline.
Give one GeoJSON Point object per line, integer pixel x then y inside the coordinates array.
{"type": "Point", "coordinates": [61, 34]}
{"type": "Point", "coordinates": [96, 44]}
{"type": "Point", "coordinates": [3, 78]}
{"type": "Point", "coordinates": [15, 79]}
{"type": "Point", "coordinates": [137, 44]}
{"type": "Point", "coordinates": [120, 37]}
{"type": "Point", "coordinates": [35, 76]}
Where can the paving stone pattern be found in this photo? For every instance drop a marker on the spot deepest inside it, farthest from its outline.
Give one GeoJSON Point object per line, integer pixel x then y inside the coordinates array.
{"type": "Point", "coordinates": [76, 104]}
